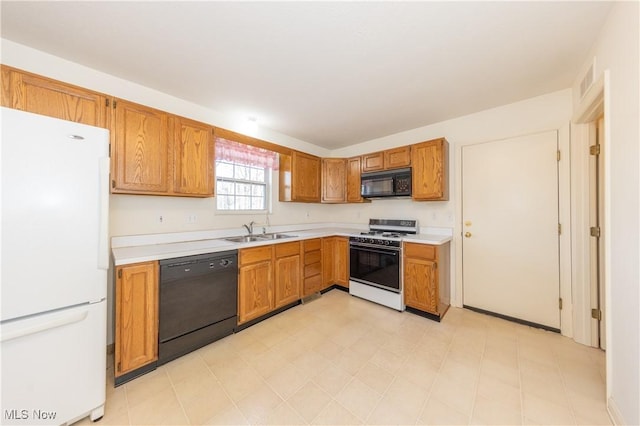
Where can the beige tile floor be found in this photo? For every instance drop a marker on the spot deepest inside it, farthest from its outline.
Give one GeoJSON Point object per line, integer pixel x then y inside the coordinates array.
{"type": "Point", "coordinates": [342, 360]}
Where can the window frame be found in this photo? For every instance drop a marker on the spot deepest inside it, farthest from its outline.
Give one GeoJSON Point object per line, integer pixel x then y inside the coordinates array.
{"type": "Point", "coordinates": [268, 188]}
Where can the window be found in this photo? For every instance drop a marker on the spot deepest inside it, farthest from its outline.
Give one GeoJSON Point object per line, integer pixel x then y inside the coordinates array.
{"type": "Point", "coordinates": [240, 187]}
{"type": "Point", "coordinates": [243, 176]}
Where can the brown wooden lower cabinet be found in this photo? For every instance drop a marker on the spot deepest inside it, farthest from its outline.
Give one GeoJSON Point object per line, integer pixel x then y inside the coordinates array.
{"type": "Point", "coordinates": [255, 283]}
{"type": "Point", "coordinates": [426, 278]}
{"type": "Point", "coordinates": [312, 281]}
{"type": "Point", "coordinates": [335, 263]}
{"type": "Point", "coordinates": [269, 278]}
{"type": "Point", "coordinates": [136, 308]}
{"type": "Point", "coordinates": [288, 270]}
{"type": "Point", "coordinates": [341, 266]}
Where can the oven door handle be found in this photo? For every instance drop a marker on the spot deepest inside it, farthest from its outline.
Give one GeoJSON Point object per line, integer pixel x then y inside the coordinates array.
{"type": "Point", "coordinates": [390, 253]}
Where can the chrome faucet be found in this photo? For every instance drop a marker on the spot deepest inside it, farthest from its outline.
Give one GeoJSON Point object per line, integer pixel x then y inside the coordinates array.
{"type": "Point", "coordinates": [249, 227]}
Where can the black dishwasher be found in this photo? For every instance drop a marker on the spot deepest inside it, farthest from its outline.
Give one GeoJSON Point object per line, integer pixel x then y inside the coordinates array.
{"type": "Point", "coordinates": [198, 302]}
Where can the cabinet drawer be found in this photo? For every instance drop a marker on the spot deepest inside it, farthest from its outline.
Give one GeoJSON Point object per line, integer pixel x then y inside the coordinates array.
{"type": "Point", "coordinates": [312, 257]}
{"type": "Point", "coordinates": [287, 249]}
{"type": "Point", "coordinates": [310, 245]}
{"type": "Point", "coordinates": [313, 269]}
{"type": "Point", "coordinates": [420, 251]}
{"type": "Point", "coordinates": [312, 284]}
{"type": "Point", "coordinates": [257, 254]}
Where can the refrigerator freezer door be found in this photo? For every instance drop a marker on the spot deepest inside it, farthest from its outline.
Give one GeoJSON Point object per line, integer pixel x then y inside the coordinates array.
{"type": "Point", "coordinates": [54, 366]}
{"type": "Point", "coordinates": [54, 198]}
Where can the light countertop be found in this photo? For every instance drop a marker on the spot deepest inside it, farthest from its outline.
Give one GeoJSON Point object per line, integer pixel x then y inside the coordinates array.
{"type": "Point", "coordinates": [134, 249]}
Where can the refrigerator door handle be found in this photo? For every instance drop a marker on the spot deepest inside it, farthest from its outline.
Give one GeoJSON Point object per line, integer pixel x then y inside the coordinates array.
{"type": "Point", "coordinates": [103, 229]}
{"type": "Point", "coordinates": [45, 325]}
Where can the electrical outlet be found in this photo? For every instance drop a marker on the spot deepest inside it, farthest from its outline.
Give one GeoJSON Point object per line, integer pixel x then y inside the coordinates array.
{"type": "Point", "coordinates": [307, 215]}
{"type": "Point", "coordinates": [192, 218]}
{"type": "Point", "coordinates": [160, 219]}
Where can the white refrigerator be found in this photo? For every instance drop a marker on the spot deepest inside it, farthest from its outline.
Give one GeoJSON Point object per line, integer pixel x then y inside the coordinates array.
{"type": "Point", "coordinates": [54, 260]}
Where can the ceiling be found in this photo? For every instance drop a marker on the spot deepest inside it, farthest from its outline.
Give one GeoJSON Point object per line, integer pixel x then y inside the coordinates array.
{"type": "Point", "coordinates": [329, 73]}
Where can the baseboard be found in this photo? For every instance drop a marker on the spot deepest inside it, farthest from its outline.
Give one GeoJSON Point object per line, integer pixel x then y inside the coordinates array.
{"type": "Point", "coordinates": [513, 319]}
{"type": "Point", "coordinates": [614, 413]}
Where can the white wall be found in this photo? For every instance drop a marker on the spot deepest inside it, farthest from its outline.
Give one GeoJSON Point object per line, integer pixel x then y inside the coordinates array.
{"type": "Point", "coordinates": [132, 214]}
{"type": "Point", "coordinates": [547, 112]}
{"type": "Point", "coordinates": [617, 50]}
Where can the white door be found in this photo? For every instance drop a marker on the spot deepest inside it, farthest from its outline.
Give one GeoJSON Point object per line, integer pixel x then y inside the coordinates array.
{"type": "Point", "coordinates": [596, 220]}
{"type": "Point", "coordinates": [510, 228]}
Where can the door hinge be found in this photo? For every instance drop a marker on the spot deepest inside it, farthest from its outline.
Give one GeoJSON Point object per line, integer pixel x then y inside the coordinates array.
{"type": "Point", "coordinates": [119, 366]}
{"type": "Point", "coordinates": [435, 265]}
{"type": "Point", "coordinates": [559, 229]}
{"type": "Point", "coordinates": [113, 183]}
{"type": "Point", "coordinates": [106, 102]}
{"type": "Point", "coordinates": [114, 103]}
{"type": "Point", "coordinates": [595, 231]}
{"type": "Point", "coordinates": [594, 149]}
{"type": "Point", "coordinates": [558, 155]}
{"type": "Point", "coordinates": [560, 303]}
{"type": "Point", "coordinates": [596, 314]}
{"type": "Point", "coordinates": [119, 273]}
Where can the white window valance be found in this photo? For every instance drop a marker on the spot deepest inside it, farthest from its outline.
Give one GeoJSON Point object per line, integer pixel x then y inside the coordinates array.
{"type": "Point", "coordinates": [248, 155]}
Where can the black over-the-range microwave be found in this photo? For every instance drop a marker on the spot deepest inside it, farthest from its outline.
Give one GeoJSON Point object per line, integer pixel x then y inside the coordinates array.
{"type": "Point", "coordinates": [389, 183]}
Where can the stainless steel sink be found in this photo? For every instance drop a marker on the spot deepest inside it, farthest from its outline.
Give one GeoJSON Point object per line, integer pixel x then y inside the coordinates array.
{"type": "Point", "coordinates": [258, 237]}
{"type": "Point", "coordinates": [274, 236]}
{"type": "Point", "coordinates": [244, 239]}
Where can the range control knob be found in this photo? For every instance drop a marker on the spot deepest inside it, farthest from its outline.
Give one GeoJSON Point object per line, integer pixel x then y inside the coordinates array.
{"type": "Point", "coordinates": [386, 243]}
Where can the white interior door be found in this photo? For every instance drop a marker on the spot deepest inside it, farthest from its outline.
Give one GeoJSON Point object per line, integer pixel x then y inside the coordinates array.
{"type": "Point", "coordinates": [510, 228]}
{"type": "Point", "coordinates": [596, 221]}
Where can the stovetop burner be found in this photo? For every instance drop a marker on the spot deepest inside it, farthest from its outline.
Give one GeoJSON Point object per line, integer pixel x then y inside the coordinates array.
{"type": "Point", "coordinates": [385, 234]}
{"type": "Point", "coordinates": [393, 234]}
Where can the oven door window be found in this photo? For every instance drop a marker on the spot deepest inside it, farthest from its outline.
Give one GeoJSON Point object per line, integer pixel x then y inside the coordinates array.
{"type": "Point", "coordinates": [376, 267]}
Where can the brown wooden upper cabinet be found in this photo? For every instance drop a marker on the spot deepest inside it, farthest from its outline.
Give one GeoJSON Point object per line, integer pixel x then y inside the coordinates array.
{"type": "Point", "coordinates": [394, 158]}
{"type": "Point", "coordinates": [397, 157]}
{"type": "Point", "coordinates": [300, 177]}
{"type": "Point", "coordinates": [373, 162]}
{"type": "Point", "coordinates": [141, 154]}
{"type": "Point", "coordinates": [154, 152]}
{"type": "Point", "coordinates": [354, 170]}
{"type": "Point", "coordinates": [430, 170]}
{"type": "Point", "coordinates": [40, 95]}
{"type": "Point", "coordinates": [193, 154]}
{"type": "Point", "coordinates": [334, 180]}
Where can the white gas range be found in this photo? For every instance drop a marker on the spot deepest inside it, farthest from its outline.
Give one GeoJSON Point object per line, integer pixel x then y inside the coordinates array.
{"type": "Point", "coordinates": [376, 261]}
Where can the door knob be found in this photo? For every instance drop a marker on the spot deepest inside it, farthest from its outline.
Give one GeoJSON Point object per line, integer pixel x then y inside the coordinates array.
{"type": "Point", "coordinates": [467, 234]}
